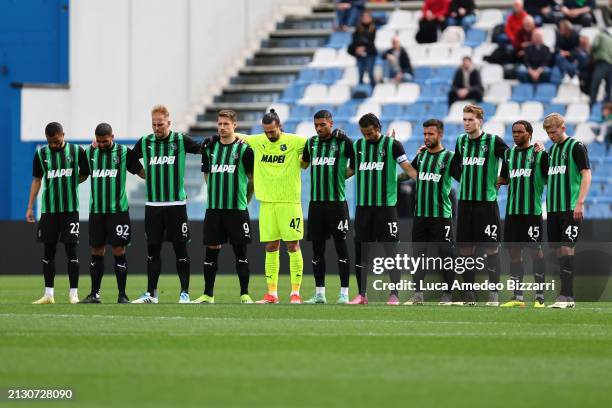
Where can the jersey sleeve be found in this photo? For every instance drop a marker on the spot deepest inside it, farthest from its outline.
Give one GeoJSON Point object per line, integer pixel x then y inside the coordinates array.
{"type": "Point", "coordinates": [500, 147]}
{"type": "Point", "coordinates": [300, 143]}
{"type": "Point", "coordinates": [544, 165]}
{"type": "Point", "coordinates": [398, 152]}
{"type": "Point", "coordinates": [248, 160]}
{"type": "Point", "coordinates": [191, 146]}
{"type": "Point", "coordinates": [306, 152]}
{"type": "Point", "coordinates": [504, 167]}
{"type": "Point", "coordinates": [206, 159]}
{"type": "Point", "coordinates": [137, 149]}
{"type": "Point", "coordinates": [132, 163]}
{"type": "Point", "coordinates": [352, 161]}
{"type": "Point", "coordinates": [83, 162]}
{"type": "Point", "coordinates": [348, 151]}
{"type": "Point", "coordinates": [415, 162]}
{"type": "Point", "coordinates": [579, 152]}
{"type": "Point", "coordinates": [37, 170]}
{"type": "Point", "coordinates": [455, 165]}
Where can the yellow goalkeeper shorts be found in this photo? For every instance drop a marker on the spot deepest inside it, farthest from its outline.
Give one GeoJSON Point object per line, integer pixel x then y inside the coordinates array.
{"type": "Point", "coordinates": [280, 221]}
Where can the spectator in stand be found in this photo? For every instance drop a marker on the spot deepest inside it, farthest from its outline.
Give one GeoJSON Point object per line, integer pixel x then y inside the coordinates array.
{"type": "Point", "coordinates": [601, 54]}
{"type": "Point", "coordinates": [462, 12]}
{"type": "Point", "coordinates": [536, 61]}
{"type": "Point", "coordinates": [542, 11]}
{"type": "Point", "coordinates": [579, 11]}
{"type": "Point", "coordinates": [569, 58]}
{"type": "Point", "coordinates": [467, 83]}
{"type": "Point", "coordinates": [362, 47]}
{"type": "Point", "coordinates": [607, 14]}
{"type": "Point", "coordinates": [347, 13]}
{"type": "Point", "coordinates": [514, 23]}
{"type": "Point", "coordinates": [524, 37]}
{"type": "Point", "coordinates": [397, 63]}
{"type": "Point", "coordinates": [606, 125]}
{"type": "Point", "coordinates": [434, 18]}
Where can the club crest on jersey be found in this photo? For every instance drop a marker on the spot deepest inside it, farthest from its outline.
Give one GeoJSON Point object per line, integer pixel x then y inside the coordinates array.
{"type": "Point", "coordinates": [68, 159]}
{"type": "Point", "coordinates": [283, 147]}
{"type": "Point", "coordinates": [172, 146]}
{"type": "Point", "coordinates": [116, 160]}
{"type": "Point", "coordinates": [235, 156]}
{"type": "Point", "coordinates": [382, 152]}
{"type": "Point", "coordinates": [530, 159]}
{"type": "Point", "coordinates": [484, 148]}
{"type": "Point", "coordinates": [441, 165]}
{"type": "Point", "coordinates": [564, 156]}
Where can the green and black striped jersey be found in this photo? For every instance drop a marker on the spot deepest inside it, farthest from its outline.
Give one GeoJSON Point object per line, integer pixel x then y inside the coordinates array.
{"type": "Point", "coordinates": [567, 160]}
{"type": "Point", "coordinates": [227, 166]}
{"type": "Point", "coordinates": [433, 184]}
{"type": "Point", "coordinates": [164, 163]}
{"type": "Point", "coordinates": [328, 162]}
{"type": "Point", "coordinates": [478, 160]}
{"type": "Point", "coordinates": [60, 170]}
{"type": "Point", "coordinates": [108, 171]}
{"type": "Point", "coordinates": [527, 171]}
{"type": "Point", "coordinates": [375, 168]}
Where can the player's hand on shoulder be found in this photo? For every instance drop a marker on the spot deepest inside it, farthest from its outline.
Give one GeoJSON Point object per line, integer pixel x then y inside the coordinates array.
{"type": "Point", "coordinates": [339, 133]}
{"type": "Point", "coordinates": [538, 146]}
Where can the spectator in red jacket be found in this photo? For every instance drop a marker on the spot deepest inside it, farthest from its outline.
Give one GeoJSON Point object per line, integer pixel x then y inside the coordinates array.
{"type": "Point", "coordinates": [523, 38]}
{"type": "Point", "coordinates": [434, 18]}
{"type": "Point", "coordinates": [514, 24]}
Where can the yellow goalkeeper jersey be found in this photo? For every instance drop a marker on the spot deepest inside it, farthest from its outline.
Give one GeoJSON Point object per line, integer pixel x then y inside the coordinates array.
{"type": "Point", "coordinates": [277, 171]}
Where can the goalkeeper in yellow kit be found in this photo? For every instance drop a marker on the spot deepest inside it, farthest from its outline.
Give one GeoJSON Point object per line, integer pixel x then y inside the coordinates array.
{"type": "Point", "coordinates": [278, 187]}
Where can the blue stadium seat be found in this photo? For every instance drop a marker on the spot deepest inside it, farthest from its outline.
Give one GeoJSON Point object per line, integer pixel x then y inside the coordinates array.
{"type": "Point", "coordinates": [346, 111]}
{"type": "Point", "coordinates": [441, 75]}
{"type": "Point", "coordinates": [488, 108]}
{"type": "Point", "coordinates": [292, 93]}
{"type": "Point", "coordinates": [393, 111]}
{"type": "Point", "coordinates": [331, 75]}
{"type": "Point", "coordinates": [434, 93]}
{"type": "Point", "coordinates": [522, 93]}
{"type": "Point", "coordinates": [339, 40]}
{"type": "Point", "coordinates": [554, 107]}
{"type": "Point", "coordinates": [290, 125]}
{"type": "Point", "coordinates": [545, 92]}
{"type": "Point", "coordinates": [352, 130]}
{"type": "Point", "coordinates": [423, 74]}
{"type": "Point", "coordinates": [308, 76]}
{"type": "Point", "coordinates": [596, 113]}
{"type": "Point", "coordinates": [416, 112]}
{"type": "Point", "coordinates": [474, 37]}
{"type": "Point", "coordinates": [437, 111]}
{"type": "Point", "coordinates": [301, 112]}
{"type": "Point", "coordinates": [452, 129]}
{"type": "Point", "coordinates": [596, 149]}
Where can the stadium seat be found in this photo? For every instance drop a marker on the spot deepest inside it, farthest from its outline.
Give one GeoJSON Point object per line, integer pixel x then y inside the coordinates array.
{"type": "Point", "coordinates": [338, 94]}
{"type": "Point", "coordinates": [489, 18]}
{"type": "Point", "coordinates": [403, 130]}
{"type": "Point", "coordinates": [545, 92]}
{"type": "Point", "coordinates": [474, 37]}
{"type": "Point", "coordinates": [393, 111]}
{"type": "Point", "coordinates": [400, 19]}
{"type": "Point", "coordinates": [383, 39]}
{"type": "Point", "coordinates": [456, 55]}
{"type": "Point", "coordinates": [366, 107]}
{"type": "Point", "coordinates": [577, 113]}
{"type": "Point", "coordinates": [590, 33]}
{"type": "Point", "coordinates": [498, 92]}
{"type": "Point", "coordinates": [314, 95]}
{"type": "Point", "coordinates": [488, 108]}
{"type": "Point", "coordinates": [384, 93]}
{"type": "Point", "coordinates": [415, 111]}
{"type": "Point", "coordinates": [437, 54]}
{"type": "Point", "coordinates": [305, 129]}
{"type": "Point", "coordinates": [554, 108]}
{"type": "Point", "coordinates": [532, 111]}
{"type": "Point", "coordinates": [453, 35]}
{"type": "Point", "coordinates": [507, 112]}
{"type": "Point", "coordinates": [331, 75]}
{"type": "Point", "coordinates": [350, 76]}
{"type": "Point", "coordinates": [569, 93]}
{"type": "Point", "coordinates": [418, 54]}
{"type": "Point", "coordinates": [437, 110]}
{"type": "Point", "coordinates": [481, 51]}
{"type": "Point", "coordinates": [522, 93]}
{"type": "Point", "coordinates": [323, 57]}
{"type": "Point", "coordinates": [495, 128]}
{"type": "Point", "coordinates": [455, 114]}
{"type": "Point", "coordinates": [339, 39]}
{"type": "Point", "coordinates": [407, 37]}
{"type": "Point", "coordinates": [596, 113]}
{"type": "Point", "coordinates": [584, 133]}
{"type": "Point", "coordinates": [282, 110]}
{"type": "Point", "coordinates": [343, 59]}
{"type": "Point", "coordinates": [301, 112]}
{"type": "Point", "coordinates": [539, 134]}
{"type": "Point", "coordinates": [423, 73]}
{"type": "Point", "coordinates": [491, 74]}
{"type": "Point", "coordinates": [308, 76]}
{"type": "Point", "coordinates": [407, 93]}
{"type": "Point", "coordinates": [549, 32]}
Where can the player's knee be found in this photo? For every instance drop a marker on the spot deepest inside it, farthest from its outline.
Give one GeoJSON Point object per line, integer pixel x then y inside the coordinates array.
{"type": "Point", "coordinates": [214, 247]}
{"type": "Point", "coordinates": [293, 246]}
{"type": "Point", "coordinates": [118, 251]}
{"type": "Point", "coordinates": [100, 251]}
{"type": "Point", "coordinates": [273, 246]}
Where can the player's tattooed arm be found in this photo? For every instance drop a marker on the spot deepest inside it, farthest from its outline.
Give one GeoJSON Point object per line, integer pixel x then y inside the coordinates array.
{"type": "Point", "coordinates": [34, 189]}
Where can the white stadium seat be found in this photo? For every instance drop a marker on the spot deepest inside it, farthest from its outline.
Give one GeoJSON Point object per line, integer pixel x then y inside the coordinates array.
{"type": "Point", "coordinates": [491, 74]}
{"type": "Point", "coordinates": [366, 107]}
{"type": "Point", "coordinates": [323, 57]}
{"type": "Point", "coordinates": [489, 18]}
{"type": "Point", "coordinates": [507, 112]}
{"type": "Point", "coordinates": [539, 134]}
{"type": "Point", "coordinates": [418, 54]}
{"type": "Point", "coordinates": [384, 93]}
{"type": "Point", "coordinates": [584, 133]}
{"type": "Point", "coordinates": [590, 33]}
{"type": "Point", "coordinates": [337, 94]}
{"type": "Point", "coordinates": [282, 109]}
{"type": "Point", "coordinates": [403, 130]}
{"type": "Point", "coordinates": [577, 113]}
{"type": "Point", "coordinates": [495, 128]}
{"type": "Point", "coordinates": [453, 35]}
{"type": "Point", "coordinates": [498, 92]}
{"type": "Point", "coordinates": [532, 111]}
{"type": "Point", "coordinates": [407, 92]}
{"type": "Point", "coordinates": [481, 51]}
{"type": "Point", "coordinates": [549, 32]}
{"type": "Point", "coordinates": [407, 37]}
{"type": "Point", "coordinates": [383, 39]}
{"type": "Point", "coordinates": [314, 94]}
{"type": "Point", "coordinates": [305, 129]}
{"type": "Point", "coordinates": [438, 54]}
{"type": "Point", "coordinates": [455, 113]}
{"type": "Point", "coordinates": [400, 19]}
{"type": "Point", "coordinates": [350, 76]}
{"type": "Point", "coordinates": [457, 54]}
{"type": "Point", "coordinates": [343, 59]}
{"type": "Point", "coordinates": [569, 93]}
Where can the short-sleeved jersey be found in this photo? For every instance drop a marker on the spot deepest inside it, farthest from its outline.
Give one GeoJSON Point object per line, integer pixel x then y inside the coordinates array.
{"type": "Point", "coordinates": [328, 161]}
{"type": "Point", "coordinates": [527, 171]}
{"type": "Point", "coordinates": [567, 160]}
{"type": "Point", "coordinates": [276, 169]}
{"type": "Point", "coordinates": [60, 170]}
{"type": "Point", "coordinates": [433, 184]}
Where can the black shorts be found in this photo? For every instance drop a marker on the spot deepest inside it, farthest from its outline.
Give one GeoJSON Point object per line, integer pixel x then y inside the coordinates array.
{"type": "Point", "coordinates": [58, 227]}
{"type": "Point", "coordinates": [478, 222]}
{"type": "Point", "coordinates": [562, 228]}
{"type": "Point", "coordinates": [166, 223]}
{"type": "Point", "coordinates": [376, 224]}
{"type": "Point", "coordinates": [112, 229]}
{"type": "Point", "coordinates": [327, 218]}
{"type": "Point", "coordinates": [221, 226]}
{"type": "Point", "coordinates": [523, 228]}
{"type": "Point", "coordinates": [432, 229]}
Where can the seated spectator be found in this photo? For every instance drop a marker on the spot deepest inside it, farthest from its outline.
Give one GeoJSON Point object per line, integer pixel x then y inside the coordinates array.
{"type": "Point", "coordinates": [524, 37]}
{"type": "Point", "coordinates": [536, 60]}
{"type": "Point", "coordinates": [466, 83]}
{"type": "Point", "coordinates": [362, 47]}
{"type": "Point", "coordinates": [514, 23]}
{"type": "Point", "coordinates": [542, 11]}
{"type": "Point", "coordinates": [434, 18]}
{"type": "Point", "coordinates": [606, 125]}
{"type": "Point", "coordinates": [347, 13]}
{"type": "Point", "coordinates": [601, 54]}
{"type": "Point", "coordinates": [579, 11]}
{"type": "Point", "coordinates": [462, 12]}
{"type": "Point", "coordinates": [570, 58]}
{"type": "Point", "coordinates": [397, 63]}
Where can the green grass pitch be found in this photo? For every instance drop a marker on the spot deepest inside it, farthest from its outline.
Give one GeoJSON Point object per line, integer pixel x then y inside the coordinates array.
{"type": "Point", "coordinates": [232, 355]}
